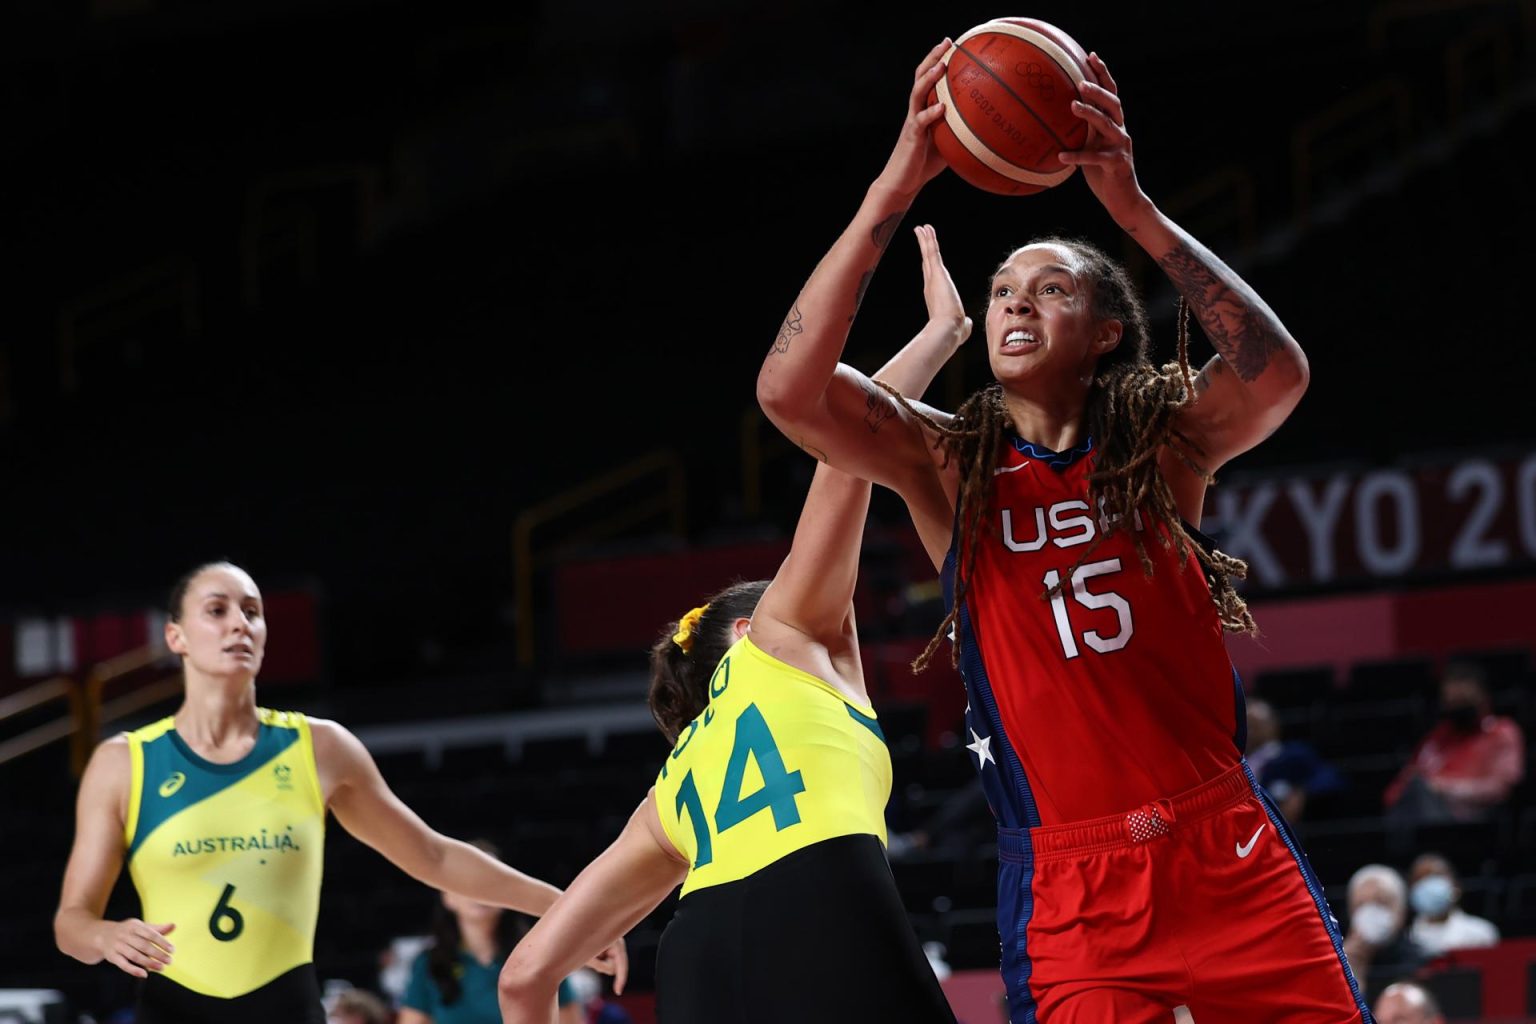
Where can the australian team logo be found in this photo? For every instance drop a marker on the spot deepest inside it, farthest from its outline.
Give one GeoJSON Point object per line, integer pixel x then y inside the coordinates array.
{"type": "Point", "coordinates": [172, 783]}
{"type": "Point", "coordinates": [284, 776]}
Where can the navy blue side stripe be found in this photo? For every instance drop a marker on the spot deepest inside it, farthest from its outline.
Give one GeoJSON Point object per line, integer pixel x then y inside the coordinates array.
{"type": "Point", "coordinates": [1013, 806]}
{"type": "Point", "coordinates": [1283, 829]}
{"type": "Point", "coordinates": [1240, 713]}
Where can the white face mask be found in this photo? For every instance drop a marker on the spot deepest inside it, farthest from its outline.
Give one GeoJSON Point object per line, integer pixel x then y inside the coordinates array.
{"type": "Point", "coordinates": [1375, 923]}
{"type": "Point", "coordinates": [1432, 895]}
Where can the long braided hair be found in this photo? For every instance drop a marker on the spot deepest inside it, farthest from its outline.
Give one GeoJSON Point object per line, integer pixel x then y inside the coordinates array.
{"type": "Point", "coordinates": [1131, 410]}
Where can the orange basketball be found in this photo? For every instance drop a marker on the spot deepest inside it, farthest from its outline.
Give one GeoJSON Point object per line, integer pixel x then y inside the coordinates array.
{"type": "Point", "coordinates": [1007, 90]}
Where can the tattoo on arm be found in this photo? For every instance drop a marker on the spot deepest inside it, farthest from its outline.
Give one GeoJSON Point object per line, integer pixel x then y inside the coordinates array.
{"type": "Point", "coordinates": [793, 325]}
{"type": "Point", "coordinates": [878, 408]}
{"type": "Point", "coordinates": [812, 450]}
{"type": "Point", "coordinates": [858, 298]}
{"type": "Point", "coordinates": [885, 231]}
{"type": "Point", "coordinates": [1206, 377]}
{"type": "Point", "coordinates": [1236, 320]}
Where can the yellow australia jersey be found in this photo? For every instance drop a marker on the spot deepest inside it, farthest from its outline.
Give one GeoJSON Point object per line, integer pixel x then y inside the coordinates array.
{"type": "Point", "coordinates": [777, 761]}
{"type": "Point", "coordinates": [230, 853]}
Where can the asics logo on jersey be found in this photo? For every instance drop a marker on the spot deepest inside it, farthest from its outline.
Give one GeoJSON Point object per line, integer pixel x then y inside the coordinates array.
{"type": "Point", "coordinates": [172, 783]}
{"type": "Point", "coordinates": [1244, 849]}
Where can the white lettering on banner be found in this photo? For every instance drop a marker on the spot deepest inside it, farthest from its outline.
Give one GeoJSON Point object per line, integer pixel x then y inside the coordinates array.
{"type": "Point", "coordinates": [1320, 518]}
{"type": "Point", "coordinates": [1243, 531]}
{"type": "Point", "coordinates": [1525, 497]}
{"type": "Point", "coordinates": [1473, 549]}
{"type": "Point", "coordinates": [1374, 554]}
{"type": "Point", "coordinates": [1474, 513]}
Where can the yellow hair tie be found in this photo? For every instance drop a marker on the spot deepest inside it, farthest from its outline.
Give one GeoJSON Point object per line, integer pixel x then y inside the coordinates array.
{"type": "Point", "coordinates": [685, 627]}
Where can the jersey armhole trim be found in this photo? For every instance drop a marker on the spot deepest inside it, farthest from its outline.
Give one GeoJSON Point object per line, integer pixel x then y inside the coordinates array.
{"type": "Point", "coordinates": [308, 740]}
{"type": "Point", "coordinates": [135, 789]}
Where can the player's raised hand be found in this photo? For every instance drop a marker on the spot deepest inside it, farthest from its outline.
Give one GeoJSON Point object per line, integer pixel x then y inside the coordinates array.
{"type": "Point", "coordinates": [939, 291]}
{"type": "Point", "coordinates": [1107, 159]}
{"type": "Point", "coordinates": [915, 161]}
{"type": "Point", "coordinates": [136, 947]}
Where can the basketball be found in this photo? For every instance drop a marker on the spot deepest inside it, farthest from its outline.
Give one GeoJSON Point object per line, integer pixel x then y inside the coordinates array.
{"type": "Point", "coordinates": [1007, 91]}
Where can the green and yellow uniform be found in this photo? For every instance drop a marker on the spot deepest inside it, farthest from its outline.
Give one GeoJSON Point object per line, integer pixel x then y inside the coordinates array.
{"type": "Point", "coordinates": [232, 854]}
{"type": "Point", "coordinates": [779, 760]}
{"type": "Point", "coordinates": [776, 794]}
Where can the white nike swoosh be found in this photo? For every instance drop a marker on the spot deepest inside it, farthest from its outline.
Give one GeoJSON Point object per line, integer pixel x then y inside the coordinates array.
{"type": "Point", "coordinates": [1244, 849]}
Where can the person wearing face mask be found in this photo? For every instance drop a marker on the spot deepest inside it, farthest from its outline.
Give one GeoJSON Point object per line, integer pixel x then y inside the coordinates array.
{"type": "Point", "coordinates": [1467, 765]}
{"type": "Point", "coordinates": [1439, 923]}
{"type": "Point", "coordinates": [1377, 945]}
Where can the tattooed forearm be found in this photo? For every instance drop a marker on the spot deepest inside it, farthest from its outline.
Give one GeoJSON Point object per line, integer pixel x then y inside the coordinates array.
{"type": "Point", "coordinates": [878, 408]}
{"type": "Point", "coordinates": [811, 450]}
{"type": "Point", "coordinates": [885, 231]}
{"type": "Point", "coordinates": [793, 325]}
{"type": "Point", "coordinates": [1237, 321]}
{"type": "Point", "coordinates": [858, 298]}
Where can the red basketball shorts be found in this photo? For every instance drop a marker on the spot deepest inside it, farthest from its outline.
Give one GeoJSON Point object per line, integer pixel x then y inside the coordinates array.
{"type": "Point", "coordinates": [1202, 900]}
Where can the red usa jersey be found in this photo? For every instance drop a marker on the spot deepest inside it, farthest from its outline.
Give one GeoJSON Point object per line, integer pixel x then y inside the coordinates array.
{"type": "Point", "coordinates": [1116, 691]}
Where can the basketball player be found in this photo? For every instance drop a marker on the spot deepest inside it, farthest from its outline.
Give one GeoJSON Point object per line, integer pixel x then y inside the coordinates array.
{"type": "Point", "coordinates": [220, 812]}
{"type": "Point", "coordinates": [770, 810]}
{"type": "Point", "coordinates": [1141, 866]}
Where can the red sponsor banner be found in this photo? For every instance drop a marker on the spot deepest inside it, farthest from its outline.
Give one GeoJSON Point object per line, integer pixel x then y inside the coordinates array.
{"type": "Point", "coordinates": [1468, 513]}
{"type": "Point", "coordinates": [1340, 630]}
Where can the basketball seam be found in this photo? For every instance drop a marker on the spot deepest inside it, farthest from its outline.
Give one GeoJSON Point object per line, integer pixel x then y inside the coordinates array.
{"type": "Point", "coordinates": [1019, 99]}
{"type": "Point", "coordinates": [991, 158]}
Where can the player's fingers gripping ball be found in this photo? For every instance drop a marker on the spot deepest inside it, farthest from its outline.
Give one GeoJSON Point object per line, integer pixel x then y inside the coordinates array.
{"type": "Point", "coordinates": [1007, 94]}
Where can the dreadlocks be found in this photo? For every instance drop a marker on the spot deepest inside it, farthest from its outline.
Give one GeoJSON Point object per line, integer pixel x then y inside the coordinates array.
{"type": "Point", "coordinates": [1131, 409]}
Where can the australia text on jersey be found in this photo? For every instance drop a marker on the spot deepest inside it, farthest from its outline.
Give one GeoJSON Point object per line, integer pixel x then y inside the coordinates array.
{"type": "Point", "coordinates": [280, 842]}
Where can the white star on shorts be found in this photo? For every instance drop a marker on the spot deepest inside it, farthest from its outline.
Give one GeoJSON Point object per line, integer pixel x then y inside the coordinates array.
{"type": "Point", "coordinates": [983, 749]}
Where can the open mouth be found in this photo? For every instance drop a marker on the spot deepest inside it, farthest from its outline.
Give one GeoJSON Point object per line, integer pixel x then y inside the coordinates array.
{"type": "Point", "coordinates": [1018, 342]}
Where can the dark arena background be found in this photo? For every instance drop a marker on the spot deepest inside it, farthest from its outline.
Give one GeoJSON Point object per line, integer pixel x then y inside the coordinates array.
{"type": "Point", "coordinates": [443, 320]}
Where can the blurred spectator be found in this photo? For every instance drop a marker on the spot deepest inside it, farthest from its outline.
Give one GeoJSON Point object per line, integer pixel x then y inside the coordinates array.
{"type": "Point", "coordinates": [1439, 924]}
{"type": "Point", "coordinates": [1378, 946]}
{"type": "Point", "coordinates": [1407, 1003]}
{"type": "Point", "coordinates": [1290, 771]}
{"type": "Point", "coordinates": [1467, 765]}
{"type": "Point", "coordinates": [357, 1006]}
{"type": "Point", "coordinates": [395, 964]}
{"type": "Point", "coordinates": [454, 980]}
{"type": "Point", "coordinates": [960, 821]}
{"type": "Point", "coordinates": [587, 1005]}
